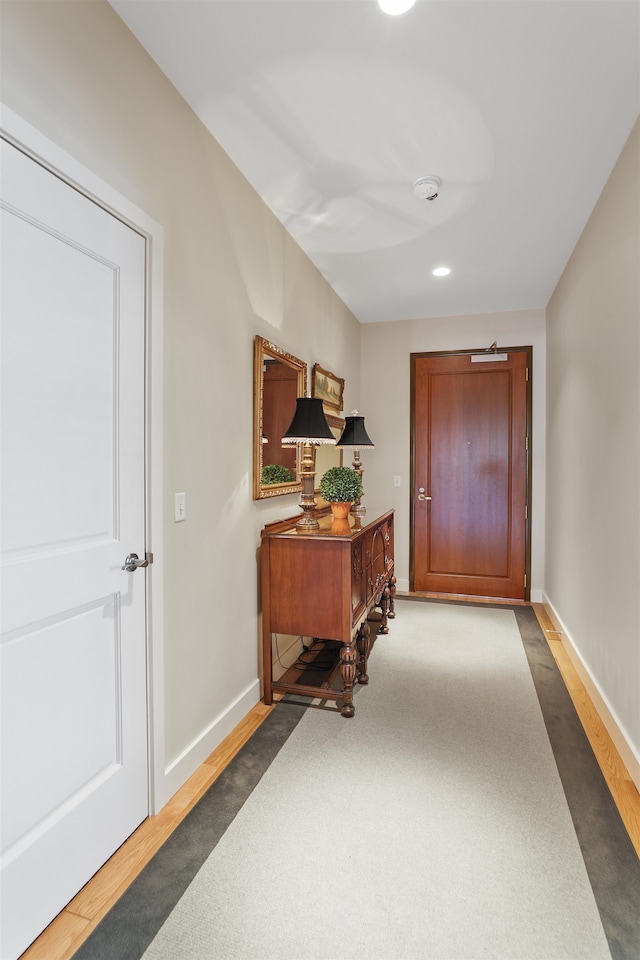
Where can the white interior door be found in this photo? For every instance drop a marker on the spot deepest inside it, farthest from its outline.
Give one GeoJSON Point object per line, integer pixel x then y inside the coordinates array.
{"type": "Point", "coordinates": [74, 716]}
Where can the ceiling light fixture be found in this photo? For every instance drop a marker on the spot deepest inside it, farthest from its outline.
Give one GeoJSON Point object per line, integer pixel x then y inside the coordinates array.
{"type": "Point", "coordinates": [395, 7]}
{"type": "Point", "coordinates": [426, 188]}
{"type": "Point", "coordinates": [441, 272]}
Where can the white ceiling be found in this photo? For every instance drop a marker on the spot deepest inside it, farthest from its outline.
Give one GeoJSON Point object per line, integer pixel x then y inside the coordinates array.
{"type": "Point", "coordinates": [332, 109]}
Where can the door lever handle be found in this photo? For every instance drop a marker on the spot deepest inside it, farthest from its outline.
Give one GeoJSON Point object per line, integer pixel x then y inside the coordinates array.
{"type": "Point", "coordinates": [132, 562]}
{"type": "Point", "coordinates": [421, 496]}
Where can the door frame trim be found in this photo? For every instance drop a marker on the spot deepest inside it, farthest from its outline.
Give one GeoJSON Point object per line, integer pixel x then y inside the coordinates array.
{"type": "Point", "coordinates": [48, 154]}
{"type": "Point", "coordinates": [529, 415]}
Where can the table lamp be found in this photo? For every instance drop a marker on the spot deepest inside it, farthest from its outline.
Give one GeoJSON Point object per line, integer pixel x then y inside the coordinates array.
{"type": "Point", "coordinates": [308, 429]}
{"type": "Point", "coordinates": [354, 435]}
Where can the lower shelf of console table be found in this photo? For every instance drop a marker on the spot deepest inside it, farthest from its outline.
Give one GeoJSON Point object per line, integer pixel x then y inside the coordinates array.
{"type": "Point", "coordinates": [324, 584]}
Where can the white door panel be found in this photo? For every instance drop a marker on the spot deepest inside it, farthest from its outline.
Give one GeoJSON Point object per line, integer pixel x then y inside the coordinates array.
{"type": "Point", "coordinates": [79, 323]}
{"type": "Point", "coordinates": [89, 639]}
{"type": "Point", "coordinates": [74, 734]}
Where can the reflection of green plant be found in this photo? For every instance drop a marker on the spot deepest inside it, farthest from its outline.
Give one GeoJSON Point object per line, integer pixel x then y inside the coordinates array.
{"type": "Point", "coordinates": [274, 473]}
{"type": "Point", "coordinates": [340, 485]}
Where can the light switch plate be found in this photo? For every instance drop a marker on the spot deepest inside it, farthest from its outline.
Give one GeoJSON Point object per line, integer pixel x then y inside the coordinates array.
{"type": "Point", "coordinates": [180, 507]}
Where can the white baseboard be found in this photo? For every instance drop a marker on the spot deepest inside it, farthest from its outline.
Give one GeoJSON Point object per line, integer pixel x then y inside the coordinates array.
{"type": "Point", "coordinates": [180, 769]}
{"type": "Point", "coordinates": [402, 586]}
{"type": "Point", "coordinates": [606, 713]}
{"type": "Point", "coordinates": [286, 650]}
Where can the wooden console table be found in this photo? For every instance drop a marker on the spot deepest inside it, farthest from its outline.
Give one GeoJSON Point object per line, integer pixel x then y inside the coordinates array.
{"type": "Point", "coordinates": [323, 585]}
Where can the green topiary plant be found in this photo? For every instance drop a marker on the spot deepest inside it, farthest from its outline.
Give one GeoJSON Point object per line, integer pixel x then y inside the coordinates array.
{"type": "Point", "coordinates": [340, 485]}
{"type": "Point", "coordinates": [274, 473]}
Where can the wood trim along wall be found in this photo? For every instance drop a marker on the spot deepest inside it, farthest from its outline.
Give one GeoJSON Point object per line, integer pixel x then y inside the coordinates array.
{"type": "Point", "coordinates": [557, 634]}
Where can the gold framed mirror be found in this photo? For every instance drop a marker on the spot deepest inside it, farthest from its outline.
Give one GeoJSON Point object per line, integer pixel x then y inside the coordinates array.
{"type": "Point", "coordinates": [278, 380]}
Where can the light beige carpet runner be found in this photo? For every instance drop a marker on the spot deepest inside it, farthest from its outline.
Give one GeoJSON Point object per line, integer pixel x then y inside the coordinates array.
{"type": "Point", "coordinates": [431, 825]}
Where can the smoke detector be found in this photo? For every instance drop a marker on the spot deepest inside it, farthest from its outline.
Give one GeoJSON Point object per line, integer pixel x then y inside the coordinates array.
{"type": "Point", "coordinates": [426, 188]}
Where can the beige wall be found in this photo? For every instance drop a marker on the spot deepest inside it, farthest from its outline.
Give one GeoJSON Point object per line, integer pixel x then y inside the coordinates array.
{"type": "Point", "coordinates": [592, 574]}
{"type": "Point", "coordinates": [385, 376]}
{"type": "Point", "coordinates": [74, 72]}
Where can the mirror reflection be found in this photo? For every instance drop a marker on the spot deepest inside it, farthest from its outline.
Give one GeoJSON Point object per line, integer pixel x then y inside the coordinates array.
{"type": "Point", "coordinates": [327, 455]}
{"type": "Point", "coordinates": [279, 378]}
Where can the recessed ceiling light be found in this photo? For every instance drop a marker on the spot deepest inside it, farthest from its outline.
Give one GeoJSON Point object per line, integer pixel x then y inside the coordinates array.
{"type": "Point", "coordinates": [441, 272]}
{"type": "Point", "coordinates": [395, 7]}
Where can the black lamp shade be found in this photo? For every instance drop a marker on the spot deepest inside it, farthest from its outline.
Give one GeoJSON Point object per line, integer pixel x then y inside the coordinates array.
{"type": "Point", "coordinates": [354, 434]}
{"type": "Point", "coordinates": [309, 424]}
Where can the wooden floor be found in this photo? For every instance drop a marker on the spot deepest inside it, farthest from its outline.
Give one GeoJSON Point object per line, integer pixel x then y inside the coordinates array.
{"type": "Point", "coordinates": [71, 927]}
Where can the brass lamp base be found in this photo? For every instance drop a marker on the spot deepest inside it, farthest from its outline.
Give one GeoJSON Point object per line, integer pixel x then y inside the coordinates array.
{"type": "Point", "coordinates": [308, 521]}
{"type": "Point", "coordinates": [358, 510]}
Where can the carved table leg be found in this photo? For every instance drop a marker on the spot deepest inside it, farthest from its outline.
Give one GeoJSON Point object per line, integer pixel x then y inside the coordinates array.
{"type": "Point", "coordinates": [392, 598]}
{"type": "Point", "coordinates": [363, 642]}
{"type": "Point", "coordinates": [384, 606]}
{"type": "Point", "coordinates": [348, 671]}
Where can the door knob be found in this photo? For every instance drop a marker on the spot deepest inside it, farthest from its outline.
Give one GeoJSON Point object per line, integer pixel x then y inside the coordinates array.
{"type": "Point", "coordinates": [132, 562]}
{"type": "Point", "coordinates": [421, 496]}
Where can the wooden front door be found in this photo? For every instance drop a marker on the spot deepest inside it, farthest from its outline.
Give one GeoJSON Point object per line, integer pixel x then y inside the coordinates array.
{"type": "Point", "coordinates": [469, 473]}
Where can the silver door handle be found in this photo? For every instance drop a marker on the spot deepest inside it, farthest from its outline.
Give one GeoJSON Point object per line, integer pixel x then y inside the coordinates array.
{"type": "Point", "coordinates": [132, 562]}
{"type": "Point", "coordinates": [421, 496]}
